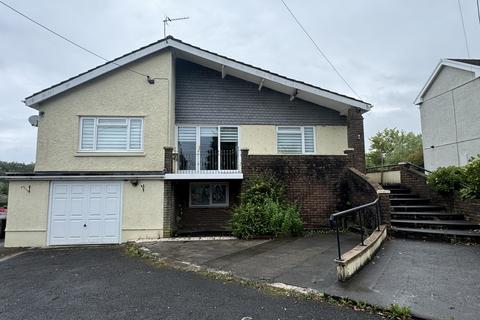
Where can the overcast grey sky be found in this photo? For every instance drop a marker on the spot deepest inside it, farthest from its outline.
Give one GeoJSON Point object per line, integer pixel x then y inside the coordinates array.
{"type": "Point", "coordinates": [385, 49]}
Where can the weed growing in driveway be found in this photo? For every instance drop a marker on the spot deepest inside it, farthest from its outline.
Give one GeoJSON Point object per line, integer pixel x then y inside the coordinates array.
{"type": "Point", "coordinates": [400, 312]}
{"type": "Point", "coordinates": [397, 312]}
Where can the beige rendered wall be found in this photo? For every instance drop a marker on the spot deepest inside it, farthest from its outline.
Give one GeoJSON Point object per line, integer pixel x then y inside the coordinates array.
{"type": "Point", "coordinates": [142, 214]}
{"type": "Point", "coordinates": [262, 140]}
{"type": "Point", "coordinates": [27, 214]}
{"type": "Point", "coordinates": [142, 210]}
{"type": "Point", "coordinates": [119, 93]}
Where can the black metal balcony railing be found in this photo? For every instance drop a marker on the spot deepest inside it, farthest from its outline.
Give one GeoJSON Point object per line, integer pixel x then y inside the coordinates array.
{"type": "Point", "coordinates": [210, 161]}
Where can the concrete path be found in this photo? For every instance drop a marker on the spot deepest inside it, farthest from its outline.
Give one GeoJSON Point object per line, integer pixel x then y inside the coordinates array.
{"type": "Point", "coordinates": [437, 280]}
{"type": "Point", "coordinates": [103, 283]}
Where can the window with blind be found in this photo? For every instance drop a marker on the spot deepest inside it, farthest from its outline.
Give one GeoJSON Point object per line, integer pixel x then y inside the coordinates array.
{"type": "Point", "coordinates": [111, 134]}
{"type": "Point", "coordinates": [296, 140]}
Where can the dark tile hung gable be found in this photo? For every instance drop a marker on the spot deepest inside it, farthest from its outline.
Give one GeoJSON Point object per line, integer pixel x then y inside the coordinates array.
{"type": "Point", "coordinates": [203, 97]}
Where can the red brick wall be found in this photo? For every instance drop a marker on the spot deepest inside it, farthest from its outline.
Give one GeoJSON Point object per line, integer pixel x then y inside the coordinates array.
{"type": "Point", "coordinates": [468, 207]}
{"type": "Point", "coordinates": [361, 191]}
{"type": "Point", "coordinates": [311, 181]}
{"type": "Point", "coordinates": [355, 137]}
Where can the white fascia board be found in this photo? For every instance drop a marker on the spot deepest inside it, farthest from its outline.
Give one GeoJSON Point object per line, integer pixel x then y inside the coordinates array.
{"type": "Point", "coordinates": [440, 65]}
{"type": "Point", "coordinates": [203, 176]}
{"type": "Point", "coordinates": [83, 177]}
{"type": "Point", "coordinates": [35, 99]}
{"type": "Point", "coordinates": [222, 61]}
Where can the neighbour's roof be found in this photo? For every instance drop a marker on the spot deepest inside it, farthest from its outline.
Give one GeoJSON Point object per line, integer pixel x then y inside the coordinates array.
{"type": "Point", "coordinates": [475, 62]}
{"type": "Point", "coordinates": [262, 77]}
{"type": "Point", "coordinates": [471, 65]}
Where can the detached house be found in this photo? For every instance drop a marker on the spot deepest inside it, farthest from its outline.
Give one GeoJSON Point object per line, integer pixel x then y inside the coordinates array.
{"type": "Point", "coordinates": [158, 142]}
{"type": "Point", "coordinates": [449, 106]}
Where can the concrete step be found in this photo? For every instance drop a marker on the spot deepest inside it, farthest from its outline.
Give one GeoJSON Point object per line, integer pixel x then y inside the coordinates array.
{"type": "Point", "coordinates": [408, 201]}
{"type": "Point", "coordinates": [398, 190]}
{"type": "Point", "coordinates": [425, 215]}
{"type": "Point", "coordinates": [403, 208]}
{"type": "Point", "coordinates": [449, 233]}
{"type": "Point", "coordinates": [403, 195]}
{"type": "Point", "coordinates": [435, 224]}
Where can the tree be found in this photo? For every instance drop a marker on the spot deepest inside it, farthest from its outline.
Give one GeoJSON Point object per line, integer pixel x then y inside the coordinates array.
{"type": "Point", "coordinates": [392, 146]}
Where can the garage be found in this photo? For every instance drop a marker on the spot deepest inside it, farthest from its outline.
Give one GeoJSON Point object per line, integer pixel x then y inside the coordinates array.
{"type": "Point", "coordinates": [84, 212]}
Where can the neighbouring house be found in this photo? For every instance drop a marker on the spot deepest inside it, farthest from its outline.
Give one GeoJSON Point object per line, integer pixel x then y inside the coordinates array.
{"type": "Point", "coordinates": [449, 106]}
{"type": "Point", "coordinates": [158, 142]}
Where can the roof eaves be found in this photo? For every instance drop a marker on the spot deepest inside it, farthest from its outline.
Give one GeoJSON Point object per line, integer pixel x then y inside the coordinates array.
{"type": "Point", "coordinates": [115, 63]}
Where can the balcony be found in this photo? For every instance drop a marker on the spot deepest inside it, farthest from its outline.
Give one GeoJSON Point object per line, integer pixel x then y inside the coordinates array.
{"type": "Point", "coordinates": [208, 164]}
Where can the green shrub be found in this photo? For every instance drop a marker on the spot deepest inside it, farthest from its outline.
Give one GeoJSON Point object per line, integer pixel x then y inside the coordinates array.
{"type": "Point", "coordinates": [446, 179]}
{"type": "Point", "coordinates": [265, 211]}
{"type": "Point", "coordinates": [471, 187]}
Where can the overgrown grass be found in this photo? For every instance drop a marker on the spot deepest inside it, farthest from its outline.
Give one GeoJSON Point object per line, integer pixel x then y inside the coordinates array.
{"type": "Point", "coordinates": [400, 312]}
{"type": "Point", "coordinates": [394, 312]}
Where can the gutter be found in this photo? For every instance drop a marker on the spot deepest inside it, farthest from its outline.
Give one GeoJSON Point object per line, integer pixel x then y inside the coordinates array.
{"type": "Point", "coordinates": [82, 177]}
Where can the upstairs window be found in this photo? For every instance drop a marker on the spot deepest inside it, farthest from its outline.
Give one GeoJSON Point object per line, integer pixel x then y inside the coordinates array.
{"type": "Point", "coordinates": [296, 140]}
{"type": "Point", "coordinates": [111, 134]}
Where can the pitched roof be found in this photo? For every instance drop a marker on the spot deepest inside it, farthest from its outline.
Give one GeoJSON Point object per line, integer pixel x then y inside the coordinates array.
{"type": "Point", "coordinates": [302, 90]}
{"type": "Point", "coordinates": [470, 65]}
{"type": "Point", "coordinates": [475, 62]}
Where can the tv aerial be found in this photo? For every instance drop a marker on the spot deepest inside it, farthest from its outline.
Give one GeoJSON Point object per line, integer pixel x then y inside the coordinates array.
{"type": "Point", "coordinates": [167, 20]}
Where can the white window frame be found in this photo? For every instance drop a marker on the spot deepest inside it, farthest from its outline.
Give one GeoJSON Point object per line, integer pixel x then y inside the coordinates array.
{"type": "Point", "coordinates": [197, 142]}
{"type": "Point", "coordinates": [210, 205]}
{"type": "Point", "coordinates": [96, 124]}
{"type": "Point", "coordinates": [302, 130]}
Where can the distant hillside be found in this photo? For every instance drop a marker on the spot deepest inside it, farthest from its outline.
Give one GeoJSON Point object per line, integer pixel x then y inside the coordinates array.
{"type": "Point", "coordinates": [11, 167]}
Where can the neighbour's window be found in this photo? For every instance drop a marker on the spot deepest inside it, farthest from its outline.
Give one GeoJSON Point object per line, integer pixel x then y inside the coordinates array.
{"type": "Point", "coordinates": [111, 134]}
{"type": "Point", "coordinates": [206, 194]}
{"type": "Point", "coordinates": [296, 140]}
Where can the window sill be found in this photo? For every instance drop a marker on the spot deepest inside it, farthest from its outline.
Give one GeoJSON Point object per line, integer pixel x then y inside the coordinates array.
{"type": "Point", "coordinates": [110, 154]}
{"type": "Point", "coordinates": [209, 206]}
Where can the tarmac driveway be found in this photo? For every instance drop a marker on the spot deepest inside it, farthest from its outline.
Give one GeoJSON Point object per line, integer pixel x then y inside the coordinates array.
{"type": "Point", "coordinates": [103, 283]}
{"type": "Point", "coordinates": [437, 280]}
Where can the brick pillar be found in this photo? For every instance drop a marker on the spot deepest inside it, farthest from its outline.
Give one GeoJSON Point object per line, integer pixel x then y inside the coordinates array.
{"type": "Point", "coordinates": [356, 138]}
{"type": "Point", "coordinates": [169, 223]}
{"type": "Point", "coordinates": [384, 205]}
{"type": "Point", "coordinates": [168, 159]}
{"type": "Point", "coordinates": [350, 158]}
{"type": "Point", "coordinates": [244, 157]}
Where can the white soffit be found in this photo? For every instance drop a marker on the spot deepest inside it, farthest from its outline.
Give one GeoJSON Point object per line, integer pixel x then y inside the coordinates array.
{"type": "Point", "coordinates": [213, 61]}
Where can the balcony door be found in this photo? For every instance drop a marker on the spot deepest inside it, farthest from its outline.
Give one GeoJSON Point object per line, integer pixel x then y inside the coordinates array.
{"type": "Point", "coordinates": [208, 148]}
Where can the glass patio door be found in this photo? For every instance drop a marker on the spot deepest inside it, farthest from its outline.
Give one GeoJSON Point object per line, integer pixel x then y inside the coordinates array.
{"type": "Point", "coordinates": [208, 148]}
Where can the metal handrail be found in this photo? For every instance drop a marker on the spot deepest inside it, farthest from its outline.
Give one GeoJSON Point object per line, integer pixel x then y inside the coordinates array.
{"type": "Point", "coordinates": [417, 167]}
{"type": "Point", "coordinates": [398, 164]}
{"type": "Point", "coordinates": [361, 210]}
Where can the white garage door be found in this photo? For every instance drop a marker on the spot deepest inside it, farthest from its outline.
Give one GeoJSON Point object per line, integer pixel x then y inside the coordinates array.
{"type": "Point", "coordinates": [85, 213]}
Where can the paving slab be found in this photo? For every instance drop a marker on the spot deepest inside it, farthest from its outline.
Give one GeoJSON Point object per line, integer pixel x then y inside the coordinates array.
{"type": "Point", "coordinates": [437, 280]}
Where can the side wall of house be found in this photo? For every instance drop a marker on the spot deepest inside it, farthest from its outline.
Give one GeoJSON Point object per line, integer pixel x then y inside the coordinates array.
{"type": "Point", "coordinates": [120, 93]}
{"type": "Point", "coordinates": [27, 218]}
{"type": "Point", "coordinates": [450, 118]}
